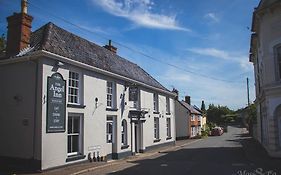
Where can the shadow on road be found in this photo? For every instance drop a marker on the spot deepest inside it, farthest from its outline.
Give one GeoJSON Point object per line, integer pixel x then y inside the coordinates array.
{"type": "Point", "coordinates": [193, 161]}
{"type": "Point", "coordinates": [210, 160]}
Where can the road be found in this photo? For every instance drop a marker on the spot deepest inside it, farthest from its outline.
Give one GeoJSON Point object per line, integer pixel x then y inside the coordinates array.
{"type": "Point", "coordinates": [213, 155]}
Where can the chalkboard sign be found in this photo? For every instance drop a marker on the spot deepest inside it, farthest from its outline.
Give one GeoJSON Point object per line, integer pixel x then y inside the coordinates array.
{"type": "Point", "coordinates": [56, 103]}
{"type": "Point", "coordinates": [133, 93]}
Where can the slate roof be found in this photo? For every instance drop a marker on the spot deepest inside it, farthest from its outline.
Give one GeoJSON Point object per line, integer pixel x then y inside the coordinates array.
{"type": "Point", "coordinates": [61, 42]}
{"type": "Point", "coordinates": [189, 107]}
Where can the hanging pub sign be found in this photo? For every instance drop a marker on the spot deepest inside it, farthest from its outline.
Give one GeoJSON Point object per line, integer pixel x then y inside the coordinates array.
{"type": "Point", "coordinates": [133, 93]}
{"type": "Point", "coordinates": [56, 103]}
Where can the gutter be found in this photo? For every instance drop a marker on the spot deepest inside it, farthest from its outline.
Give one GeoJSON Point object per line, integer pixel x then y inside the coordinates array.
{"type": "Point", "coordinates": [37, 54]}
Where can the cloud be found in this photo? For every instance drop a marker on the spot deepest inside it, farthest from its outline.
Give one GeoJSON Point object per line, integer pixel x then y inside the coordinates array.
{"type": "Point", "coordinates": [140, 13]}
{"type": "Point", "coordinates": [210, 52]}
{"type": "Point", "coordinates": [217, 92]}
{"type": "Point", "coordinates": [212, 16]}
{"type": "Point", "coordinates": [176, 75]}
{"type": "Point", "coordinates": [241, 59]}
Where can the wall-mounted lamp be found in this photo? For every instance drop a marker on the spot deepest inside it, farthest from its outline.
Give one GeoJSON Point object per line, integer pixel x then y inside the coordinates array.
{"type": "Point", "coordinates": [59, 64]}
{"type": "Point", "coordinates": [18, 98]}
{"type": "Point", "coordinates": [96, 102]}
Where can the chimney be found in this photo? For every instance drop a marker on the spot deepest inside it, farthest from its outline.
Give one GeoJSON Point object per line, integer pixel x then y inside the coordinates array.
{"type": "Point", "coordinates": [187, 99]}
{"type": "Point", "coordinates": [19, 30]}
{"type": "Point", "coordinates": [110, 47]}
{"type": "Point", "coordinates": [176, 92]}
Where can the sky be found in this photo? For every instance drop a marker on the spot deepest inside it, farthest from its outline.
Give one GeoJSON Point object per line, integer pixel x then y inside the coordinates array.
{"type": "Point", "coordinates": [199, 47]}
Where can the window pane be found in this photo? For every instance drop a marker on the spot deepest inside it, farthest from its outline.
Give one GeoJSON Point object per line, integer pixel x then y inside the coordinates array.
{"type": "Point", "coordinates": [69, 141]}
{"type": "Point", "coordinates": [75, 143]}
{"type": "Point", "coordinates": [76, 126]}
{"type": "Point", "coordinates": [69, 125]}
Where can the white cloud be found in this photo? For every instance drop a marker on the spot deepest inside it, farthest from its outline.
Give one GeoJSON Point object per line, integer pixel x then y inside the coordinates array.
{"type": "Point", "coordinates": [140, 13]}
{"type": "Point", "coordinates": [210, 52]}
{"type": "Point", "coordinates": [176, 75]}
{"type": "Point", "coordinates": [212, 16]}
{"type": "Point", "coordinates": [242, 60]}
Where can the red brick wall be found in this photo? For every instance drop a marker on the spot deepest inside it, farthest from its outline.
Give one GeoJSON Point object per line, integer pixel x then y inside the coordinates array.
{"type": "Point", "coordinates": [19, 31]}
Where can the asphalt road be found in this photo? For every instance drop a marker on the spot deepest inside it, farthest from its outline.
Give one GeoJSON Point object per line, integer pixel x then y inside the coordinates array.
{"type": "Point", "coordinates": [213, 155]}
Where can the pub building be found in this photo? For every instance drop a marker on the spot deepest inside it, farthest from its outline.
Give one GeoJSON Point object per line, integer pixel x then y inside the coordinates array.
{"type": "Point", "coordinates": [66, 100]}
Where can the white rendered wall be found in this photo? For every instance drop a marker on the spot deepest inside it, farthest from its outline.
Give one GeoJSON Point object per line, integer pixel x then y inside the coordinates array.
{"type": "Point", "coordinates": [17, 103]}
{"type": "Point", "coordinates": [54, 145]}
{"type": "Point", "coordinates": [182, 125]}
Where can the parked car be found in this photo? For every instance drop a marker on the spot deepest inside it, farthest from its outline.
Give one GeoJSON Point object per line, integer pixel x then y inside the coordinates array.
{"type": "Point", "coordinates": [217, 131]}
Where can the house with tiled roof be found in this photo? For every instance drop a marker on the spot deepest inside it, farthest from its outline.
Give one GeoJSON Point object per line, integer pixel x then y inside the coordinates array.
{"type": "Point", "coordinates": [188, 119]}
{"type": "Point", "coordinates": [66, 100]}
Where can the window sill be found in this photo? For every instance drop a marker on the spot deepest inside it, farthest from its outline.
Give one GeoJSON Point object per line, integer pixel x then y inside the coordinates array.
{"type": "Point", "coordinates": [156, 140]}
{"type": "Point", "coordinates": [75, 157]}
{"type": "Point", "coordinates": [124, 146]}
{"type": "Point", "coordinates": [111, 109]}
{"type": "Point", "coordinates": [168, 113]}
{"type": "Point", "coordinates": [76, 106]}
{"type": "Point", "coordinates": [156, 112]}
{"type": "Point", "coordinates": [168, 138]}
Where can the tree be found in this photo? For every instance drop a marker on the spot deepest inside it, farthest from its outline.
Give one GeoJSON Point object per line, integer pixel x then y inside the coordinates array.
{"type": "Point", "coordinates": [217, 114]}
{"type": "Point", "coordinates": [2, 43]}
{"type": "Point", "coordinates": [203, 108]}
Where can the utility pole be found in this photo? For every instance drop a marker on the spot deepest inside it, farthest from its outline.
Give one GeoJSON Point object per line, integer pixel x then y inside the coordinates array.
{"type": "Point", "coordinates": [248, 95]}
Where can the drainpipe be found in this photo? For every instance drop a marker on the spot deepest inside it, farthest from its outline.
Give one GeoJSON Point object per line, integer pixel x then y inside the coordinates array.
{"type": "Point", "coordinates": [131, 134]}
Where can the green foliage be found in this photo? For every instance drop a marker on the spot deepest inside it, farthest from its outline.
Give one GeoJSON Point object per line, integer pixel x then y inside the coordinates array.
{"type": "Point", "coordinates": [205, 133]}
{"type": "Point", "coordinates": [219, 114]}
{"type": "Point", "coordinates": [2, 43]}
{"type": "Point", "coordinates": [252, 111]}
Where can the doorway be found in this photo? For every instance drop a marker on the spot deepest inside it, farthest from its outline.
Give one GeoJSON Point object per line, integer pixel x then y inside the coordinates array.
{"type": "Point", "coordinates": [111, 133]}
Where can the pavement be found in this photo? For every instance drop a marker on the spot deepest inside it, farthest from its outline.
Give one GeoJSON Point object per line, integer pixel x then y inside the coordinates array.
{"type": "Point", "coordinates": [86, 166]}
{"type": "Point", "coordinates": [231, 153]}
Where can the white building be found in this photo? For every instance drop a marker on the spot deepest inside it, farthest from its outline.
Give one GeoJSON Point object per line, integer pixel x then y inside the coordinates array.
{"type": "Point", "coordinates": [266, 57]}
{"type": "Point", "coordinates": [188, 119]}
{"type": "Point", "coordinates": [65, 100]}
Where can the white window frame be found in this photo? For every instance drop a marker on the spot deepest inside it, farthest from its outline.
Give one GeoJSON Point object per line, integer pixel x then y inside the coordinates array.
{"type": "Point", "coordinates": [168, 106]}
{"type": "Point", "coordinates": [110, 94]}
{"type": "Point", "coordinates": [136, 104]}
{"type": "Point", "coordinates": [75, 87]}
{"type": "Point", "coordinates": [193, 131]}
{"type": "Point", "coordinates": [109, 133]}
{"type": "Point", "coordinates": [124, 133]}
{"type": "Point", "coordinates": [168, 126]}
{"type": "Point", "coordinates": [156, 128]}
{"type": "Point", "coordinates": [192, 117]}
{"type": "Point", "coordinates": [71, 133]}
{"type": "Point", "coordinates": [155, 102]}
{"type": "Point", "coordinates": [199, 129]}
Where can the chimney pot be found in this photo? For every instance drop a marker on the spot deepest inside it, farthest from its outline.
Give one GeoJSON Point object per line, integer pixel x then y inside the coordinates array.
{"type": "Point", "coordinates": [24, 6]}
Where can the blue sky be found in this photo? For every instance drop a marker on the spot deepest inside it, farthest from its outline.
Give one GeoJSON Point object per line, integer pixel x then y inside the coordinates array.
{"type": "Point", "coordinates": [206, 41]}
